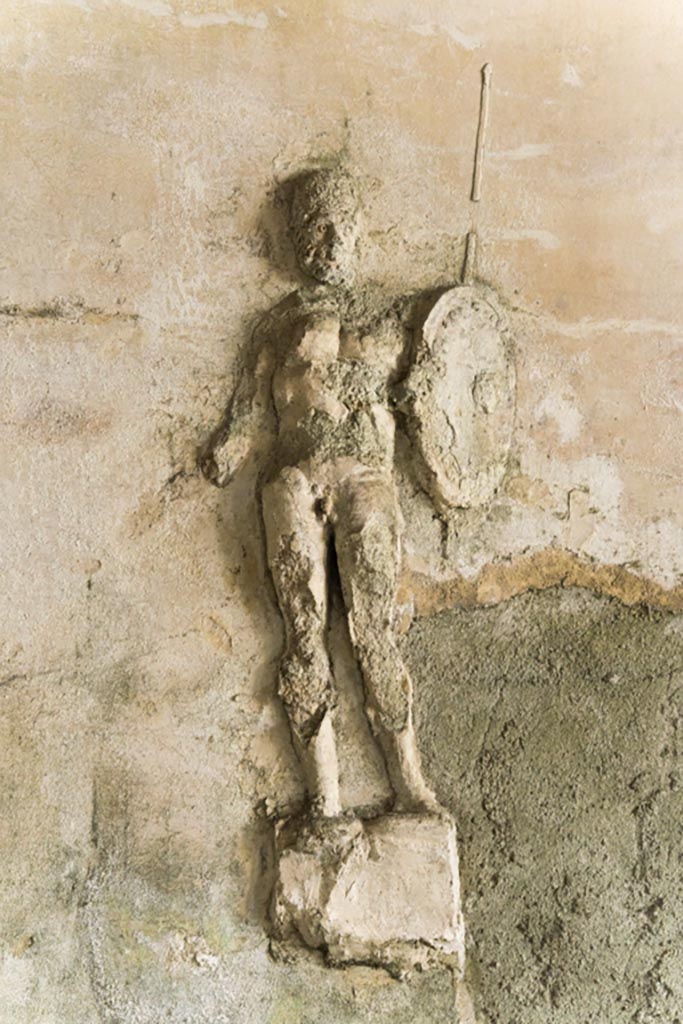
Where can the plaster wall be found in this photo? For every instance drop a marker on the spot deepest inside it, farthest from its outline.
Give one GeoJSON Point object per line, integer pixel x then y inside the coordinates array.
{"type": "Point", "coordinates": [141, 739]}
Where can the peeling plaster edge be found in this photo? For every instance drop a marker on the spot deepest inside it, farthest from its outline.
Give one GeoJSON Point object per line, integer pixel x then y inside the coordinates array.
{"type": "Point", "coordinates": [551, 567]}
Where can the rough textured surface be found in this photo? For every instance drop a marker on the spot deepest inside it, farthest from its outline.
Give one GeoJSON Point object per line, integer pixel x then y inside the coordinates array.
{"type": "Point", "coordinates": [553, 728]}
{"type": "Point", "coordinates": [382, 892]}
{"type": "Point", "coordinates": [141, 739]}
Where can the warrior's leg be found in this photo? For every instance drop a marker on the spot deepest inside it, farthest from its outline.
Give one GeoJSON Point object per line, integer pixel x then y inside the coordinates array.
{"type": "Point", "coordinates": [296, 557]}
{"type": "Point", "coordinates": [367, 540]}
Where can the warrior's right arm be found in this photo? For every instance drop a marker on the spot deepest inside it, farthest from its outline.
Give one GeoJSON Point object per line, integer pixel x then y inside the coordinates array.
{"type": "Point", "coordinates": [233, 440]}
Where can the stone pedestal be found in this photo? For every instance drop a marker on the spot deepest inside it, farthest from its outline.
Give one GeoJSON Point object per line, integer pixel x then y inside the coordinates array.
{"type": "Point", "coordinates": [383, 891]}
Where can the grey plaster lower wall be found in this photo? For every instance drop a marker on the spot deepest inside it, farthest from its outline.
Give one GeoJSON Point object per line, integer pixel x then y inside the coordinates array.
{"type": "Point", "coordinates": [552, 727]}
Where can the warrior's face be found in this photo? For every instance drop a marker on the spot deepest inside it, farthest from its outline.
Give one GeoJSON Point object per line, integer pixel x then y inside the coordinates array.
{"type": "Point", "coordinates": [325, 225]}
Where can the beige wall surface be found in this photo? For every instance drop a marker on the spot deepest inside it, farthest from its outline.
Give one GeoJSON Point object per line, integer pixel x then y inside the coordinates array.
{"type": "Point", "coordinates": [143, 141]}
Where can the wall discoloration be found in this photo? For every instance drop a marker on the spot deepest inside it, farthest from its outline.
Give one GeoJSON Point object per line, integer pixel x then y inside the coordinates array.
{"type": "Point", "coordinates": [141, 242]}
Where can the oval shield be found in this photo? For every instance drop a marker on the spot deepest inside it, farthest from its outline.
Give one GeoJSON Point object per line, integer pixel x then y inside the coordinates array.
{"type": "Point", "coordinates": [460, 397]}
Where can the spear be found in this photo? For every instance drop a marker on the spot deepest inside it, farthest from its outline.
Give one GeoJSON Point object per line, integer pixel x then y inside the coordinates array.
{"type": "Point", "coordinates": [484, 103]}
{"type": "Point", "coordinates": [475, 194]}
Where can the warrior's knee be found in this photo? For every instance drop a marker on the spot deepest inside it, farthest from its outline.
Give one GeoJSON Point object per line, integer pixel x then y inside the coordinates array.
{"type": "Point", "coordinates": [306, 692]}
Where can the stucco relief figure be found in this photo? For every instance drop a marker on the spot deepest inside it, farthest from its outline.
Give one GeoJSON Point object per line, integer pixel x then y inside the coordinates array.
{"type": "Point", "coordinates": [334, 367]}
{"type": "Point", "coordinates": [331, 482]}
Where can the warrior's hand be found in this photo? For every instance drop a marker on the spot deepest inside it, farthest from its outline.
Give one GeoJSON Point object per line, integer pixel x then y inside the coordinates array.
{"type": "Point", "coordinates": [221, 461]}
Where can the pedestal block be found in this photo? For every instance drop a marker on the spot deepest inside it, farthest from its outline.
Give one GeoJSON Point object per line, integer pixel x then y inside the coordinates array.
{"type": "Point", "coordinates": [383, 891]}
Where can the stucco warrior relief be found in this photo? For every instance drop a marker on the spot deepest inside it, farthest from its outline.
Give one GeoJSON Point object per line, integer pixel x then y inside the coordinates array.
{"type": "Point", "coordinates": [333, 369]}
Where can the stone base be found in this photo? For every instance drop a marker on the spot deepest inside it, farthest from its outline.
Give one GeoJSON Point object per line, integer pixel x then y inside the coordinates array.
{"type": "Point", "coordinates": [383, 891]}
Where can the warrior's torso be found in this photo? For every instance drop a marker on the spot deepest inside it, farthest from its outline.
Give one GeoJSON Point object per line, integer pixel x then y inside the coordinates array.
{"type": "Point", "coordinates": [331, 389]}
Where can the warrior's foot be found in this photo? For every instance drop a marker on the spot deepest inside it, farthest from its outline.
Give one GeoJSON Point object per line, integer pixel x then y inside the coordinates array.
{"type": "Point", "coordinates": [418, 803]}
{"type": "Point", "coordinates": [331, 833]}
{"type": "Point", "coordinates": [412, 794]}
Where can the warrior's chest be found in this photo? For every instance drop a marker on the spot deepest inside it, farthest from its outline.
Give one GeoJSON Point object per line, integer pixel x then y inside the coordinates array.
{"type": "Point", "coordinates": [331, 360]}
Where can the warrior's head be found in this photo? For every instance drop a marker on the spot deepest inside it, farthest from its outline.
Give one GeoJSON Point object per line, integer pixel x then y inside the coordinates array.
{"type": "Point", "coordinates": [324, 221]}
